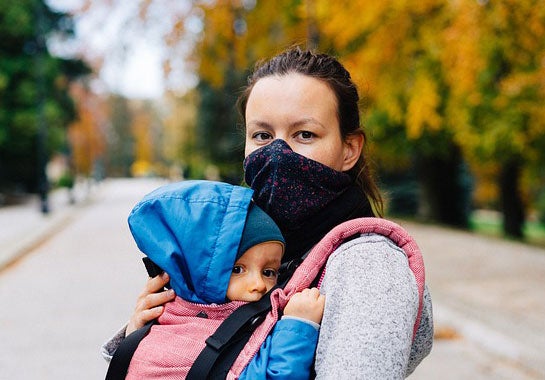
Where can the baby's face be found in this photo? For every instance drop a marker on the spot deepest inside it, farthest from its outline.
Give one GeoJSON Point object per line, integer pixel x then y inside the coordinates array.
{"type": "Point", "coordinates": [255, 272]}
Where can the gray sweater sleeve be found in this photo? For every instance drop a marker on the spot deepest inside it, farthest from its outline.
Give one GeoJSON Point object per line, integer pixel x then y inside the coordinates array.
{"type": "Point", "coordinates": [108, 349]}
{"type": "Point", "coordinates": [371, 307]}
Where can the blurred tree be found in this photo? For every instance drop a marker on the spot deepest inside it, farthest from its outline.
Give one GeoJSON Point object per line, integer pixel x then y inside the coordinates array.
{"type": "Point", "coordinates": [455, 80]}
{"type": "Point", "coordinates": [120, 148]}
{"type": "Point", "coordinates": [146, 130]}
{"type": "Point", "coordinates": [445, 83]}
{"type": "Point", "coordinates": [178, 138]}
{"type": "Point", "coordinates": [227, 37]}
{"type": "Point", "coordinates": [87, 132]}
{"type": "Point", "coordinates": [495, 105]}
{"type": "Point", "coordinates": [216, 135]}
{"type": "Point", "coordinates": [237, 33]}
{"type": "Point", "coordinates": [143, 143]}
{"type": "Point", "coordinates": [393, 51]}
{"type": "Point", "coordinates": [34, 90]}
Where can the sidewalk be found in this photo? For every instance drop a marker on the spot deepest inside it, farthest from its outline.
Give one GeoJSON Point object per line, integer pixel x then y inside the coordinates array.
{"type": "Point", "coordinates": [488, 298]}
{"type": "Point", "coordinates": [23, 226]}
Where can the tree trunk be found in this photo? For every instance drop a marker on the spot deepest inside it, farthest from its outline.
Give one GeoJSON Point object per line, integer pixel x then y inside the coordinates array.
{"type": "Point", "coordinates": [445, 188]}
{"type": "Point", "coordinates": [511, 199]}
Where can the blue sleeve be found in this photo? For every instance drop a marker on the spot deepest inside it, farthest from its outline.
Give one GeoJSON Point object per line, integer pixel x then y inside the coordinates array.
{"type": "Point", "coordinates": [287, 353]}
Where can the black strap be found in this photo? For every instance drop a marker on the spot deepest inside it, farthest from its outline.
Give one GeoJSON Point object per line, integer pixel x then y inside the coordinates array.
{"type": "Point", "coordinates": [119, 365]}
{"type": "Point", "coordinates": [223, 347]}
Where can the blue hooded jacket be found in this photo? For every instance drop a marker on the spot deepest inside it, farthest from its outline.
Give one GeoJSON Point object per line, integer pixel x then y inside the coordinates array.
{"type": "Point", "coordinates": [192, 230]}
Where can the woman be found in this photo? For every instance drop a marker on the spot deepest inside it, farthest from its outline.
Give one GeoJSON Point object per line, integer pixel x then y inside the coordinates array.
{"type": "Point", "coordinates": [304, 162]}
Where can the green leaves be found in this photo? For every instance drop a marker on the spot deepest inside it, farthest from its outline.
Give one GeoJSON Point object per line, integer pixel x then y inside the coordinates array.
{"type": "Point", "coordinates": [33, 89]}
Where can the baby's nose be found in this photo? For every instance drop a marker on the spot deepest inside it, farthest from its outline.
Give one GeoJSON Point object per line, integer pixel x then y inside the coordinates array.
{"type": "Point", "coordinates": [258, 285]}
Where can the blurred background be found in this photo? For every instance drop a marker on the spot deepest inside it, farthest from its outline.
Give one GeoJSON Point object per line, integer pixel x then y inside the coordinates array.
{"type": "Point", "coordinates": [105, 100]}
{"type": "Point", "coordinates": [452, 95]}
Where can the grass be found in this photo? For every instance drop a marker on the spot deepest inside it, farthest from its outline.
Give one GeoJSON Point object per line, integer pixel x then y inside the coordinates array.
{"type": "Point", "coordinates": [490, 223]}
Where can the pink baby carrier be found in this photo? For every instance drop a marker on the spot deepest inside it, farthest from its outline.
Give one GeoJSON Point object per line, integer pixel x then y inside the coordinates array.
{"type": "Point", "coordinates": [199, 358]}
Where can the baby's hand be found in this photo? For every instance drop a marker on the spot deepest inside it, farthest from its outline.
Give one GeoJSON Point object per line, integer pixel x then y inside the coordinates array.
{"type": "Point", "coordinates": [308, 304]}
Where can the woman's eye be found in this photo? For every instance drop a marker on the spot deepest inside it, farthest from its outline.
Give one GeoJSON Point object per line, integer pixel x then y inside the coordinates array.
{"type": "Point", "coordinates": [270, 273]}
{"type": "Point", "coordinates": [261, 136]}
{"type": "Point", "coordinates": [306, 135]}
{"type": "Point", "coordinates": [237, 269]}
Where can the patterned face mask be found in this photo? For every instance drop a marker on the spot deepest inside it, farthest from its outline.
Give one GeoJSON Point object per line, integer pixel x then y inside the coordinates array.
{"type": "Point", "coordinates": [289, 186]}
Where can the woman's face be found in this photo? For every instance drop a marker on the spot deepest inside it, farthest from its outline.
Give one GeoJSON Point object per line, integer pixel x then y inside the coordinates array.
{"type": "Point", "coordinates": [302, 111]}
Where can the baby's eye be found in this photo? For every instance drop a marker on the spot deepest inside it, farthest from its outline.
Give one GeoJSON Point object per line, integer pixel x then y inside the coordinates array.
{"type": "Point", "coordinates": [237, 269]}
{"type": "Point", "coordinates": [271, 273]}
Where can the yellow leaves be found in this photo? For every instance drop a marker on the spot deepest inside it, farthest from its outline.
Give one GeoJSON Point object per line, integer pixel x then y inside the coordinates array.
{"type": "Point", "coordinates": [236, 35]}
{"type": "Point", "coordinates": [513, 85]}
{"type": "Point", "coordinates": [179, 127]}
{"type": "Point", "coordinates": [426, 64]}
{"type": "Point", "coordinates": [141, 129]}
{"type": "Point", "coordinates": [86, 136]}
{"type": "Point", "coordinates": [422, 108]}
{"type": "Point", "coordinates": [461, 56]}
{"type": "Point", "coordinates": [389, 101]}
{"type": "Point", "coordinates": [348, 19]}
{"type": "Point", "coordinates": [141, 168]}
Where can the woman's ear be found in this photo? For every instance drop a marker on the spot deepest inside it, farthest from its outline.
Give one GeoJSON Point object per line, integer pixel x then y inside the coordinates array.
{"type": "Point", "coordinates": [353, 145]}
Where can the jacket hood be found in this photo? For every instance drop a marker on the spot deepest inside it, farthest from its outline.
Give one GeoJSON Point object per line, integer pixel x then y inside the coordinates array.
{"type": "Point", "coordinates": [192, 230]}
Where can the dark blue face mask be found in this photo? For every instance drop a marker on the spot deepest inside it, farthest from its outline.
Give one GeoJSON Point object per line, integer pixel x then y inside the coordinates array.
{"type": "Point", "coordinates": [290, 187]}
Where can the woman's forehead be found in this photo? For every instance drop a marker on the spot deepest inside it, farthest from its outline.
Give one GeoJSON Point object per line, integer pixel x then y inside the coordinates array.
{"type": "Point", "coordinates": [292, 92]}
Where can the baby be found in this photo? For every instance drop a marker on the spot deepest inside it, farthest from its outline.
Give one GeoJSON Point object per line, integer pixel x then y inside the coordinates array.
{"type": "Point", "coordinates": [220, 252]}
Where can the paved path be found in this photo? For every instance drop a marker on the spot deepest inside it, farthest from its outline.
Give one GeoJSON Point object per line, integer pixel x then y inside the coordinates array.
{"type": "Point", "coordinates": [23, 226]}
{"type": "Point", "coordinates": [75, 278]}
{"type": "Point", "coordinates": [489, 305]}
{"type": "Point", "coordinates": [72, 290]}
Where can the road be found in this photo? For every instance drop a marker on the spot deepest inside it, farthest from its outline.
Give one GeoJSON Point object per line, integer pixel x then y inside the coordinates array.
{"type": "Point", "coordinates": [489, 306]}
{"type": "Point", "coordinates": [71, 292]}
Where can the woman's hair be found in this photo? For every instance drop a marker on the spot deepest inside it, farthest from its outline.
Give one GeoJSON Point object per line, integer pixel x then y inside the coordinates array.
{"type": "Point", "coordinates": [329, 70]}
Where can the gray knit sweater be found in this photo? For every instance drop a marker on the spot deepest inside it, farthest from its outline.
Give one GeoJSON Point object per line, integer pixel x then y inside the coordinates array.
{"type": "Point", "coordinates": [371, 306]}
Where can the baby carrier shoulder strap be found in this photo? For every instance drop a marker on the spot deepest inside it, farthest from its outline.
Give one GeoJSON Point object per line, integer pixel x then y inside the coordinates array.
{"type": "Point", "coordinates": [312, 266]}
{"type": "Point", "coordinates": [223, 347]}
{"type": "Point", "coordinates": [119, 365]}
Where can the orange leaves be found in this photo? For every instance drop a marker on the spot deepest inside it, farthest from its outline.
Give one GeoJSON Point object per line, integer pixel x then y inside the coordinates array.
{"type": "Point", "coordinates": [238, 33]}
{"type": "Point", "coordinates": [141, 130]}
{"type": "Point", "coordinates": [461, 56]}
{"type": "Point", "coordinates": [348, 20]}
{"type": "Point", "coordinates": [86, 134]}
{"type": "Point", "coordinates": [422, 109]}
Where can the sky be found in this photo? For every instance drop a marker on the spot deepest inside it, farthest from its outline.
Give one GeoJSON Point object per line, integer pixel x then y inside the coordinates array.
{"type": "Point", "coordinates": [132, 55]}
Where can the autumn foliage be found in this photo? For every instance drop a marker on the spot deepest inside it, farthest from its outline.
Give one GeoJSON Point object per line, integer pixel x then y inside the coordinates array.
{"type": "Point", "coordinates": [459, 82]}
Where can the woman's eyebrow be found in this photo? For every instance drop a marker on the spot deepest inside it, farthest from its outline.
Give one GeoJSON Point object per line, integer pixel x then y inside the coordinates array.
{"type": "Point", "coordinates": [297, 123]}
{"type": "Point", "coordinates": [259, 123]}
{"type": "Point", "coordinates": [307, 120]}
